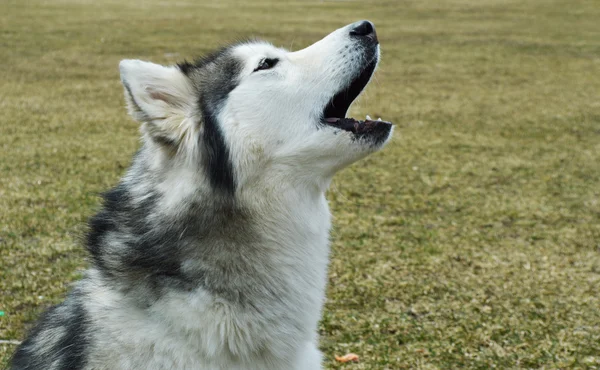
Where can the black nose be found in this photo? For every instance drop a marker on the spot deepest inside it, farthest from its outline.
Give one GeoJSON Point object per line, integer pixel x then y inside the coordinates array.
{"type": "Point", "coordinates": [364, 29]}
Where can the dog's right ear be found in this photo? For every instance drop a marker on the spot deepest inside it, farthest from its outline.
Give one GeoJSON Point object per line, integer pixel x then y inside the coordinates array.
{"type": "Point", "coordinates": [160, 97]}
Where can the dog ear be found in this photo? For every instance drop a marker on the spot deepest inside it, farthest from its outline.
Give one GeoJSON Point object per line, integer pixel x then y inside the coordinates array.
{"type": "Point", "coordinates": [160, 97]}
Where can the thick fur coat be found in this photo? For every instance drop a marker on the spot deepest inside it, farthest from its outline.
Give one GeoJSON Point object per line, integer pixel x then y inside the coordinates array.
{"type": "Point", "coordinates": [212, 251]}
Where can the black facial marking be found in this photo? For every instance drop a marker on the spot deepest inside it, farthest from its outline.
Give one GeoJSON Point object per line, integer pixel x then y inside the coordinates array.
{"type": "Point", "coordinates": [218, 163]}
{"type": "Point", "coordinates": [188, 67]}
{"type": "Point", "coordinates": [219, 73]}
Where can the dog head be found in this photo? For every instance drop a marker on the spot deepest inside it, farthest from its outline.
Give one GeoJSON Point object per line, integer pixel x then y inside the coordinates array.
{"type": "Point", "coordinates": [252, 111]}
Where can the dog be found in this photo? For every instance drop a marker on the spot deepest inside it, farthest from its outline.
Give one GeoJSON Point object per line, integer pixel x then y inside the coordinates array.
{"type": "Point", "coordinates": [211, 253]}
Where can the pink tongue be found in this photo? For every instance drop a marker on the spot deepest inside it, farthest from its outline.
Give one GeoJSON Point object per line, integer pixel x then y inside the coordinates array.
{"type": "Point", "coordinates": [332, 120]}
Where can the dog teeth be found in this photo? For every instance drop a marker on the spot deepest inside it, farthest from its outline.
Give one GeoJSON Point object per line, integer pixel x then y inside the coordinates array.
{"type": "Point", "coordinates": [368, 118]}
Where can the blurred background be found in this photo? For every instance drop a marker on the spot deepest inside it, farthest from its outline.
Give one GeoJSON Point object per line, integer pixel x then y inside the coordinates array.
{"type": "Point", "coordinates": [472, 241]}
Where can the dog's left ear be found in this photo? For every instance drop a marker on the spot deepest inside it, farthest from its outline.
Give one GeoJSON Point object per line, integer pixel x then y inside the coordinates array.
{"type": "Point", "coordinates": [160, 97]}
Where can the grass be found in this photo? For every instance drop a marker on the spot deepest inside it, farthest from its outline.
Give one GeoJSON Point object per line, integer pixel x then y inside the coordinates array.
{"type": "Point", "coordinates": [472, 241]}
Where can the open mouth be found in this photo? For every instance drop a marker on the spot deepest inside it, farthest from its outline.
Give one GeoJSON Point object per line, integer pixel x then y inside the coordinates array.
{"type": "Point", "coordinates": [335, 111]}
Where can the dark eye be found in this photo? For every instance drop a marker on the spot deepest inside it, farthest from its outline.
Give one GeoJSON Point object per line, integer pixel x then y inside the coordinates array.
{"type": "Point", "coordinates": [266, 63]}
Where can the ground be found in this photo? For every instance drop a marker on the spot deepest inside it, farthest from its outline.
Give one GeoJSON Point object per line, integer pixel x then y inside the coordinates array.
{"type": "Point", "coordinates": [472, 241]}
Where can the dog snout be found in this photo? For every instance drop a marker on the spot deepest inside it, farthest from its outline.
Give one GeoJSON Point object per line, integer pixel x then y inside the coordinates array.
{"type": "Point", "coordinates": [364, 29]}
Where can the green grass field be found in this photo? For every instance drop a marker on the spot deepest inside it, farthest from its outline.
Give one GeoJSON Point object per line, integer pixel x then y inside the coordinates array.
{"type": "Point", "coordinates": [472, 241]}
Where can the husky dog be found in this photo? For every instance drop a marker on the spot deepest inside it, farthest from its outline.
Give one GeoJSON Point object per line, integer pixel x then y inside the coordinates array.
{"type": "Point", "coordinates": [212, 251]}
